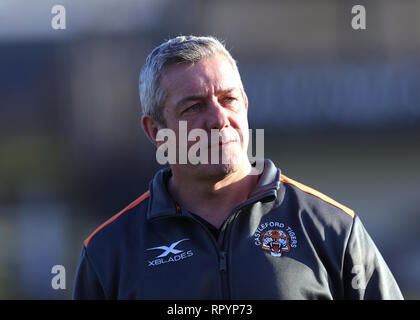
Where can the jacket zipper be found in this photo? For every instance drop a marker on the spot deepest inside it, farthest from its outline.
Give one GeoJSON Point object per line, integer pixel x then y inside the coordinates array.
{"type": "Point", "coordinates": [223, 244]}
{"type": "Point", "coordinates": [223, 254]}
{"type": "Point", "coordinates": [223, 275]}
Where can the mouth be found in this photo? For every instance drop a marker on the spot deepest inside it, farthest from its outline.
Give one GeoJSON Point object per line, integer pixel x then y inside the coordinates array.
{"type": "Point", "coordinates": [224, 137]}
{"type": "Point", "coordinates": [221, 143]}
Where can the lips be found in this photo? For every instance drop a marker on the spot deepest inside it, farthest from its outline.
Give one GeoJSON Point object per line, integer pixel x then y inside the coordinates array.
{"type": "Point", "coordinates": [222, 142]}
{"type": "Point", "coordinates": [223, 138]}
{"type": "Point", "coordinates": [229, 141]}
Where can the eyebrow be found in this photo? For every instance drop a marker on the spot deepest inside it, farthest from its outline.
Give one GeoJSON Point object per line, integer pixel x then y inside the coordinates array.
{"type": "Point", "coordinates": [195, 97]}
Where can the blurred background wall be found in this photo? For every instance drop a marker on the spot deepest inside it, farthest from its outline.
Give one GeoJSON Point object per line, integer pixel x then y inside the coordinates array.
{"type": "Point", "coordinates": [340, 109]}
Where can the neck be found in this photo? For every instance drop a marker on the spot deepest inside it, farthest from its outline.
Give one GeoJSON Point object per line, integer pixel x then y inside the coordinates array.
{"type": "Point", "coordinates": [213, 200]}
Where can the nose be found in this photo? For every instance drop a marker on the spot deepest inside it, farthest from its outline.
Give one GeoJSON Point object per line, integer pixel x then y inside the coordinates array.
{"type": "Point", "coordinates": [217, 117]}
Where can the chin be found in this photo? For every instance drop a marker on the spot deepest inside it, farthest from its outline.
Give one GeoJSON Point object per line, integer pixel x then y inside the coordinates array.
{"type": "Point", "coordinates": [231, 159]}
{"type": "Point", "coordinates": [222, 169]}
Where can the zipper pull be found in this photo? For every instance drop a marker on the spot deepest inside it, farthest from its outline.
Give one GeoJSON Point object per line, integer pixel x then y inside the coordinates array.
{"type": "Point", "coordinates": [223, 265]}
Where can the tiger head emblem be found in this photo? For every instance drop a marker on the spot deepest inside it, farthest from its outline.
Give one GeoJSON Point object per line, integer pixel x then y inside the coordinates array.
{"type": "Point", "coordinates": [276, 241]}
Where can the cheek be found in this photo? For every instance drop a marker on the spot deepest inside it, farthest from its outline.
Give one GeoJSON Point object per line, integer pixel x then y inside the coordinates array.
{"type": "Point", "coordinates": [241, 125]}
{"type": "Point", "coordinates": [245, 140]}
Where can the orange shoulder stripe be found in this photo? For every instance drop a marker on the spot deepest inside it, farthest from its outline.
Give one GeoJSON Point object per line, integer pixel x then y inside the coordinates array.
{"type": "Point", "coordinates": [136, 202]}
{"type": "Point", "coordinates": [318, 194]}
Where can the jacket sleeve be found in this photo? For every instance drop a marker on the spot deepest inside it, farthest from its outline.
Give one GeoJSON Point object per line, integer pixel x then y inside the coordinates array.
{"type": "Point", "coordinates": [365, 273]}
{"type": "Point", "coordinates": [87, 284]}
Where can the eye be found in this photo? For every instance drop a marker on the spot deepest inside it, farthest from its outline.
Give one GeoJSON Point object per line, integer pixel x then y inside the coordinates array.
{"type": "Point", "coordinates": [229, 99]}
{"type": "Point", "coordinates": [194, 107]}
{"type": "Point", "coordinates": [230, 102]}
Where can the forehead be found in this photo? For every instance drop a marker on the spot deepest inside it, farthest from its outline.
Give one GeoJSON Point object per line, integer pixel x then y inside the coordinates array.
{"type": "Point", "coordinates": [209, 75]}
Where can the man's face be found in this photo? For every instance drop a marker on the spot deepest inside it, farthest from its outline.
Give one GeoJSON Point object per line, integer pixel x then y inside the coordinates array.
{"type": "Point", "coordinates": [208, 95]}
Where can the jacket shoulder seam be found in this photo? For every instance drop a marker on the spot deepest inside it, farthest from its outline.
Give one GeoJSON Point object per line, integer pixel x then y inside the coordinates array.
{"type": "Point", "coordinates": [135, 203]}
{"type": "Point", "coordinates": [318, 194]}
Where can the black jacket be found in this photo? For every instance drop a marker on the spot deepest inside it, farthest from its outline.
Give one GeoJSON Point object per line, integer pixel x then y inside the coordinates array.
{"type": "Point", "coordinates": [287, 241]}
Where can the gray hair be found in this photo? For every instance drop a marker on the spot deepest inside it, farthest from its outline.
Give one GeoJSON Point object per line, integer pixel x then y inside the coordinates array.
{"type": "Point", "coordinates": [182, 49]}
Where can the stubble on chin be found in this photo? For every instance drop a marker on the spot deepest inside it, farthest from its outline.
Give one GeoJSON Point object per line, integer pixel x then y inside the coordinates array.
{"type": "Point", "coordinates": [231, 159]}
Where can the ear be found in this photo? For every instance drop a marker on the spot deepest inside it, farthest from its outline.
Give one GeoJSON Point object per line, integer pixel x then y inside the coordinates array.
{"type": "Point", "coordinates": [151, 128]}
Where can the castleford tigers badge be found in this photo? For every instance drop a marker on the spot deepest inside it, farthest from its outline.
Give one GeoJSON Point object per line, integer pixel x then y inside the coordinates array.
{"type": "Point", "coordinates": [275, 237]}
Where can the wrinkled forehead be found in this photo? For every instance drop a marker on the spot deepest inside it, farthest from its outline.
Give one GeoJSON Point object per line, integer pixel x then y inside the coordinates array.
{"type": "Point", "coordinates": [211, 74]}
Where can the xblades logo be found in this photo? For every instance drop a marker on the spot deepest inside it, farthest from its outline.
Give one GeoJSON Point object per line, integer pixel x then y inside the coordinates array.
{"type": "Point", "coordinates": [169, 249]}
{"type": "Point", "coordinates": [177, 254]}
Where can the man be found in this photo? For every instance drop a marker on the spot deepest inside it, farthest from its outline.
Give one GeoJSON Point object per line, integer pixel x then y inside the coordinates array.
{"type": "Point", "coordinates": [219, 229]}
